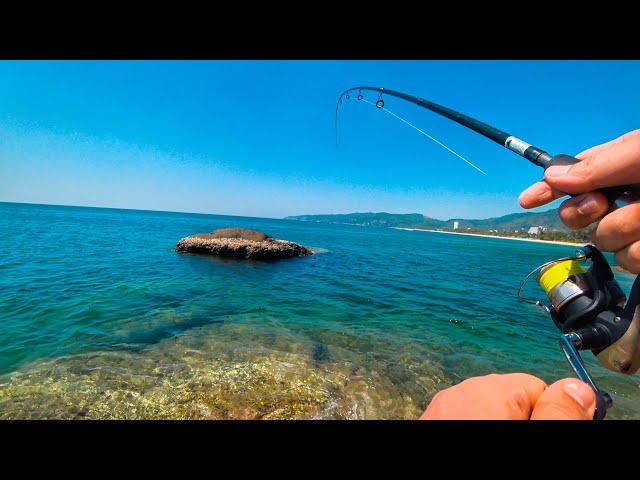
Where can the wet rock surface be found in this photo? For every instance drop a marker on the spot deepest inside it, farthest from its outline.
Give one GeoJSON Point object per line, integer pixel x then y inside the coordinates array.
{"type": "Point", "coordinates": [241, 243]}
{"type": "Point", "coordinates": [243, 370]}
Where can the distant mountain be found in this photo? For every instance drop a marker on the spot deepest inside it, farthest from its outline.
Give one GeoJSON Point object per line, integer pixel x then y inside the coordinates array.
{"type": "Point", "coordinates": [381, 219]}
{"type": "Point", "coordinates": [513, 221]}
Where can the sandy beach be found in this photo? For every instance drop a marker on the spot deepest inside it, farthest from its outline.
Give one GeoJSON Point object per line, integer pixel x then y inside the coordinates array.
{"type": "Point", "coordinates": [490, 236]}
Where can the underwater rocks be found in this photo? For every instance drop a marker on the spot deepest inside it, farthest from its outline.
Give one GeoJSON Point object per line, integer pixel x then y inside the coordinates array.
{"type": "Point", "coordinates": [241, 243]}
{"type": "Point", "coordinates": [249, 368]}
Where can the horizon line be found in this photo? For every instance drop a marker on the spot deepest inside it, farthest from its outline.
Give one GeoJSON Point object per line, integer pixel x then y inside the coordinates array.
{"type": "Point", "coordinates": [135, 209]}
{"type": "Point", "coordinates": [250, 216]}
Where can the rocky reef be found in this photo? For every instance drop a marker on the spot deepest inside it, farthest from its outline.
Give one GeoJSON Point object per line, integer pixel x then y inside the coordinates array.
{"type": "Point", "coordinates": [246, 368]}
{"type": "Point", "coordinates": [241, 243]}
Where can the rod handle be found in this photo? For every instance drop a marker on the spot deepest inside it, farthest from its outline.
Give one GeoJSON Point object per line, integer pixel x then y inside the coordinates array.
{"type": "Point", "coordinates": [612, 193]}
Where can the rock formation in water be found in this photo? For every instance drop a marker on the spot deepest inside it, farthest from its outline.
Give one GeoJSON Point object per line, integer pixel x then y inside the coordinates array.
{"type": "Point", "coordinates": [241, 243]}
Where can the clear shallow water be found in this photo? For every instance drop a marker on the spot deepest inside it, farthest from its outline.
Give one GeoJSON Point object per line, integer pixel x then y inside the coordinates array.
{"type": "Point", "coordinates": [99, 318]}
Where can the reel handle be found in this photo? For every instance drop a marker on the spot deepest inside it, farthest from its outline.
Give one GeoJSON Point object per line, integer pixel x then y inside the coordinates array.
{"type": "Point", "coordinates": [603, 402]}
{"type": "Point", "coordinates": [612, 193]}
{"type": "Point", "coordinates": [570, 343]}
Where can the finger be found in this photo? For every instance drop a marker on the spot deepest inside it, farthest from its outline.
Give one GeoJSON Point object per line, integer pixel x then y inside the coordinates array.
{"type": "Point", "coordinates": [524, 391]}
{"type": "Point", "coordinates": [598, 149]}
{"type": "Point", "coordinates": [616, 164]}
{"type": "Point", "coordinates": [568, 399]}
{"type": "Point", "coordinates": [538, 194]}
{"type": "Point", "coordinates": [629, 257]}
{"type": "Point", "coordinates": [593, 151]}
{"type": "Point", "coordinates": [583, 210]}
{"type": "Point", "coordinates": [490, 397]}
{"type": "Point", "coordinates": [619, 228]}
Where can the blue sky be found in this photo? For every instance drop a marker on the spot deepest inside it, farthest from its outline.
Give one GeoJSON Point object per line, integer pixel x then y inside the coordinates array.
{"type": "Point", "coordinates": [257, 138]}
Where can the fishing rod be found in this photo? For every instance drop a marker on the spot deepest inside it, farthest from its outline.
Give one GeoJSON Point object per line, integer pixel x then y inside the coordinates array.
{"type": "Point", "coordinates": [534, 154]}
{"type": "Point", "coordinates": [587, 306]}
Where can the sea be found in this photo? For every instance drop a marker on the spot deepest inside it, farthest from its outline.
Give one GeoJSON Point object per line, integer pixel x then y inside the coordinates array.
{"type": "Point", "coordinates": [101, 318]}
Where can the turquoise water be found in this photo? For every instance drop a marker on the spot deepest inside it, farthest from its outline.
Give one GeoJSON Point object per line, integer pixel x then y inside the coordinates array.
{"type": "Point", "coordinates": [99, 318]}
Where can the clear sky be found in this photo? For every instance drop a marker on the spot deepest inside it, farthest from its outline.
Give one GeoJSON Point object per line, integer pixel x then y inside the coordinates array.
{"type": "Point", "coordinates": [257, 138]}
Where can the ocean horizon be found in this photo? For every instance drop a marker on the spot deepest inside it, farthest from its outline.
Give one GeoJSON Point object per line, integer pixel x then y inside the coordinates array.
{"type": "Point", "coordinates": [100, 318]}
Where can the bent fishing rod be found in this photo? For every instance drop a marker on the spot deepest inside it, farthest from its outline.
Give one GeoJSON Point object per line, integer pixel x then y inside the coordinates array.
{"type": "Point", "coordinates": [534, 154]}
{"type": "Point", "coordinates": [587, 306]}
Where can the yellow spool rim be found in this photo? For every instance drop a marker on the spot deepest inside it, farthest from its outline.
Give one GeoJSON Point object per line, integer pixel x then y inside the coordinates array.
{"type": "Point", "coordinates": [554, 274]}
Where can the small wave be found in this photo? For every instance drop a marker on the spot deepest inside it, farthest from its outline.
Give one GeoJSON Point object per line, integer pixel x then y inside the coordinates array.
{"type": "Point", "coordinates": [319, 250]}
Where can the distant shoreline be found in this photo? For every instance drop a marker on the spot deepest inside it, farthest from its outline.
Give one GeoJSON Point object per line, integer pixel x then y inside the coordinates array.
{"type": "Point", "coordinates": [490, 236]}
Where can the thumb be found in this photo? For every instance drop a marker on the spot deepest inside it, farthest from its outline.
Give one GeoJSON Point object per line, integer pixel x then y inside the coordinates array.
{"type": "Point", "coordinates": [612, 164]}
{"type": "Point", "coordinates": [568, 399]}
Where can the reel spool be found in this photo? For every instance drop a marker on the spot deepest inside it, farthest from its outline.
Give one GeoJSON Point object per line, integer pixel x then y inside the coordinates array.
{"type": "Point", "coordinates": [556, 283]}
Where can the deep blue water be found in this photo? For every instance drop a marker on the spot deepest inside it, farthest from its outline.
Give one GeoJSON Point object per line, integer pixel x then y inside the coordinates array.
{"type": "Point", "coordinates": [394, 314]}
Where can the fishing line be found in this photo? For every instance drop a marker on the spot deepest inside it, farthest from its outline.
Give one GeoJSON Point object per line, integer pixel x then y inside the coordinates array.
{"type": "Point", "coordinates": [423, 133]}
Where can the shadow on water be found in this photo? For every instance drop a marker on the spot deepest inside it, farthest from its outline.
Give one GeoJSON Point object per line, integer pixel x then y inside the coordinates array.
{"type": "Point", "coordinates": [230, 262]}
{"type": "Point", "coordinates": [140, 338]}
{"type": "Point", "coordinates": [319, 353]}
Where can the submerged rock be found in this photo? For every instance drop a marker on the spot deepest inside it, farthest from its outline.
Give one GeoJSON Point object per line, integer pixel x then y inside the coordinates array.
{"type": "Point", "coordinates": [241, 243]}
{"type": "Point", "coordinates": [248, 368]}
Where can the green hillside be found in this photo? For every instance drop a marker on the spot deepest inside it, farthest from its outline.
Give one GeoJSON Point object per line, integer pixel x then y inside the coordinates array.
{"type": "Point", "coordinates": [511, 222]}
{"type": "Point", "coordinates": [381, 219]}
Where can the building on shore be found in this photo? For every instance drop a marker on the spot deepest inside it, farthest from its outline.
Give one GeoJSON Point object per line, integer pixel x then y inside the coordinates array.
{"type": "Point", "coordinates": [537, 230]}
{"type": "Point", "coordinates": [456, 225]}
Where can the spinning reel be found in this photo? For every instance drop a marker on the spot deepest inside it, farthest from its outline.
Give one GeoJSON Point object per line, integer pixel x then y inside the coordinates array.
{"type": "Point", "coordinates": [588, 307]}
